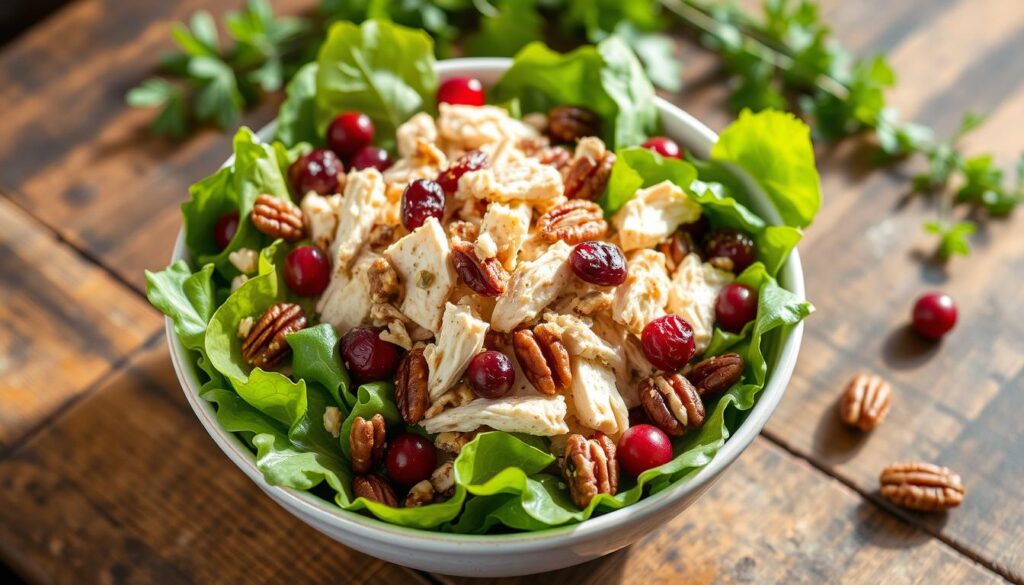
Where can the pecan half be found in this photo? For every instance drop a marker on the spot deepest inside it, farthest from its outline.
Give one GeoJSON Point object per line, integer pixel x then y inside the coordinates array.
{"type": "Point", "coordinates": [374, 488]}
{"type": "Point", "coordinates": [678, 246]}
{"type": "Point", "coordinates": [570, 123]}
{"type": "Point", "coordinates": [544, 359]}
{"type": "Point", "coordinates": [366, 442]}
{"type": "Point", "coordinates": [411, 393]}
{"type": "Point", "coordinates": [443, 479]}
{"type": "Point", "coordinates": [452, 442]}
{"type": "Point", "coordinates": [921, 486]}
{"type": "Point", "coordinates": [265, 345]}
{"type": "Point", "coordinates": [383, 282]}
{"type": "Point", "coordinates": [865, 402]}
{"type": "Point", "coordinates": [586, 177]}
{"type": "Point", "coordinates": [672, 403]}
{"type": "Point", "coordinates": [716, 374]}
{"type": "Point", "coordinates": [486, 277]}
{"type": "Point", "coordinates": [573, 222]}
{"type": "Point", "coordinates": [420, 494]}
{"type": "Point", "coordinates": [278, 218]}
{"type": "Point", "coordinates": [590, 468]}
{"type": "Point", "coordinates": [555, 156]}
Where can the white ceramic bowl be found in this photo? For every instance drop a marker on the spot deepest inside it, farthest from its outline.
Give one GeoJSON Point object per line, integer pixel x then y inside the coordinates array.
{"type": "Point", "coordinates": [534, 552]}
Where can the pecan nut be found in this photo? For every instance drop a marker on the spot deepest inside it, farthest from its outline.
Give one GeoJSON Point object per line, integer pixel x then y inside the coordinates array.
{"type": "Point", "coordinates": [366, 441]}
{"type": "Point", "coordinates": [717, 374]}
{"type": "Point", "coordinates": [672, 403]}
{"type": "Point", "coordinates": [486, 277]}
{"type": "Point", "coordinates": [921, 486]}
{"type": "Point", "coordinates": [278, 218]}
{"type": "Point", "coordinates": [865, 402]}
{"type": "Point", "coordinates": [678, 246]}
{"type": "Point", "coordinates": [452, 442]}
{"type": "Point", "coordinates": [383, 282]}
{"type": "Point", "coordinates": [381, 236]}
{"type": "Point", "coordinates": [374, 488]}
{"type": "Point", "coordinates": [590, 468]}
{"type": "Point", "coordinates": [573, 222]}
{"type": "Point", "coordinates": [544, 359]}
{"type": "Point", "coordinates": [411, 393]}
{"type": "Point", "coordinates": [420, 494]}
{"type": "Point", "coordinates": [265, 345]}
{"type": "Point", "coordinates": [443, 480]}
{"type": "Point", "coordinates": [587, 177]}
{"type": "Point", "coordinates": [570, 123]}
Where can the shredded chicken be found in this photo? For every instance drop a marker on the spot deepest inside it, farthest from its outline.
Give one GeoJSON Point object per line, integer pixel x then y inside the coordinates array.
{"type": "Point", "coordinates": [642, 298]}
{"type": "Point", "coordinates": [346, 303]}
{"type": "Point", "coordinates": [320, 215]}
{"type": "Point", "coordinates": [534, 415]}
{"type": "Point", "coordinates": [421, 260]}
{"type": "Point", "coordinates": [652, 215]}
{"type": "Point", "coordinates": [467, 128]}
{"type": "Point", "coordinates": [362, 204]}
{"type": "Point", "coordinates": [532, 287]}
{"type": "Point", "coordinates": [596, 398]}
{"type": "Point", "coordinates": [420, 127]}
{"type": "Point", "coordinates": [526, 180]}
{"type": "Point", "coordinates": [694, 290]}
{"type": "Point", "coordinates": [461, 337]}
{"type": "Point", "coordinates": [508, 226]}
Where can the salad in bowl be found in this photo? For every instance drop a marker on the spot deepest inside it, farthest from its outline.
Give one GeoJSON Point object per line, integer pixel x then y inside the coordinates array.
{"type": "Point", "coordinates": [472, 309]}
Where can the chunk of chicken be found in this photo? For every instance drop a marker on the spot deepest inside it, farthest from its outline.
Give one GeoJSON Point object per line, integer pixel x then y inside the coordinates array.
{"type": "Point", "coordinates": [578, 336]}
{"type": "Point", "coordinates": [421, 260]}
{"type": "Point", "coordinates": [634, 368]}
{"type": "Point", "coordinates": [461, 337]}
{"type": "Point", "coordinates": [470, 127]}
{"type": "Point", "coordinates": [420, 127]}
{"type": "Point", "coordinates": [695, 288]}
{"type": "Point", "coordinates": [526, 180]}
{"type": "Point", "coordinates": [532, 287]}
{"type": "Point", "coordinates": [596, 398]}
{"type": "Point", "coordinates": [653, 214]}
{"type": "Point", "coordinates": [321, 217]}
{"type": "Point", "coordinates": [643, 296]}
{"type": "Point", "coordinates": [425, 162]}
{"type": "Point", "coordinates": [508, 225]}
{"type": "Point", "coordinates": [533, 415]}
{"type": "Point", "coordinates": [346, 303]}
{"type": "Point", "coordinates": [362, 204]}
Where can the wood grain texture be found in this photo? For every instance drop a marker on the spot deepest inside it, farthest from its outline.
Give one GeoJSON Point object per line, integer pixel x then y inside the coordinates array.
{"type": "Point", "coordinates": [128, 488]}
{"type": "Point", "coordinates": [63, 323]}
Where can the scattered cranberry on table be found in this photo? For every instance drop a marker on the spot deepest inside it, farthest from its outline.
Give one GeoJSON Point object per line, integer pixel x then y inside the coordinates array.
{"type": "Point", "coordinates": [733, 245]}
{"type": "Point", "coordinates": [490, 374]}
{"type": "Point", "coordinates": [307, 271]}
{"type": "Point", "coordinates": [421, 199]}
{"type": "Point", "coordinates": [348, 132]}
{"type": "Point", "coordinates": [466, 91]}
{"type": "Point", "coordinates": [225, 228]}
{"type": "Point", "coordinates": [664, 146]}
{"type": "Point", "coordinates": [668, 342]}
{"type": "Point", "coordinates": [410, 459]}
{"type": "Point", "coordinates": [316, 171]}
{"type": "Point", "coordinates": [643, 447]}
{"type": "Point", "coordinates": [599, 263]}
{"type": "Point", "coordinates": [934, 315]}
{"type": "Point", "coordinates": [371, 156]}
{"type": "Point", "coordinates": [471, 161]}
{"type": "Point", "coordinates": [736, 306]}
{"type": "Point", "coordinates": [368, 357]}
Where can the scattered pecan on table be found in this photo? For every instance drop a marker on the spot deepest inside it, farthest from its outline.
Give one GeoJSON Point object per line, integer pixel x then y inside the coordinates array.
{"type": "Point", "coordinates": [921, 486]}
{"type": "Point", "coordinates": [590, 468]}
{"type": "Point", "coordinates": [865, 401]}
{"type": "Point", "coordinates": [367, 440]}
{"type": "Point", "coordinates": [544, 359]}
{"type": "Point", "coordinates": [374, 488]}
{"type": "Point", "coordinates": [672, 403]}
{"type": "Point", "coordinates": [265, 345]}
{"type": "Point", "coordinates": [573, 222]}
{"type": "Point", "coordinates": [411, 395]}
{"type": "Point", "coordinates": [278, 218]}
{"type": "Point", "coordinates": [717, 374]}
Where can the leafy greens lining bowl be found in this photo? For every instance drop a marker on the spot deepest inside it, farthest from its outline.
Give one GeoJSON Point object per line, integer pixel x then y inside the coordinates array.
{"type": "Point", "coordinates": [529, 552]}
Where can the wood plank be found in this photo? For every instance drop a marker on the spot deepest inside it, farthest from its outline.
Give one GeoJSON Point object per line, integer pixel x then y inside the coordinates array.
{"type": "Point", "coordinates": [127, 487]}
{"type": "Point", "coordinates": [774, 519]}
{"type": "Point", "coordinates": [63, 323]}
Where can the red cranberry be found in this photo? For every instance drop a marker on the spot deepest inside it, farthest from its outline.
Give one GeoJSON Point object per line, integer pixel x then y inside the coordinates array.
{"type": "Point", "coordinates": [934, 315]}
{"type": "Point", "coordinates": [733, 245]}
{"type": "Point", "coordinates": [490, 374]}
{"type": "Point", "coordinates": [643, 447]}
{"type": "Point", "coordinates": [736, 306]}
{"type": "Point", "coordinates": [316, 171]}
{"type": "Point", "coordinates": [307, 271]}
{"type": "Point", "coordinates": [664, 146]}
{"type": "Point", "coordinates": [371, 156]}
{"type": "Point", "coordinates": [471, 161]}
{"type": "Point", "coordinates": [348, 132]}
{"type": "Point", "coordinates": [421, 199]}
{"type": "Point", "coordinates": [410, 459]}
{"type": "Point", "coordinates": [368, 357]}
{"type": "Point", "coordinates": [224, 230]}
{"type": "Point", "coordinates": [467, 91]}
{"type": "Point", "coordinates": [668, 342]}
{"type": "Point", "coordinates": [598, 263]}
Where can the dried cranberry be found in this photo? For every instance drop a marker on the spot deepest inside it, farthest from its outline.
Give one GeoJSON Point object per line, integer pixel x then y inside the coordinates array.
{"type": "Point", "coordinates": [730, 247]}
{"type": "Point", "coordinates": [668, 342]}
{"type": "Point", "coordinates": [410, 459]}
{"type": "Point", "coordinates": [599, 263]}
{"type": "Point", "coordinates": [348, 132]}
{"type": "Point", "coordinates": [225, 228]}
{"type": "Point", "coordinates": [643, 447]}
{"type": "Point", "coordinates": [316, 171]}
{"type": "Point", "coordinates": [421, 199]}
{"type": "Point", "coordinates": [307, 271]}
{"type": "Point", "coordinates": [368, 357]}
{"type": "Point", "coordinates": [664, 146]}
{"type": "Point", "coordinates": [736, 306]}
{"type": "Point", "coordinates": [473, 160]}
{"type": "Point", "coordinates": [467, 91]}
{"type": "Point", "coordinates": [490, 374]}
{"type": "Point", "coordinates": [934, 315]}
{"type": "Point", "coordinates": [371, 156]}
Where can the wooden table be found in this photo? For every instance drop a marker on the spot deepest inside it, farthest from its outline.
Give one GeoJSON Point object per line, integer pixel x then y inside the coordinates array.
{"type": "Point", "coordinates": [105, 476]}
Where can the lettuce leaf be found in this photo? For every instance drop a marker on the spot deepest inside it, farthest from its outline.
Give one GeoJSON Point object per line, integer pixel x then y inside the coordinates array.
{"type": "Point", "coordinates": [316, 357]}
{"type": "Point", "coordinates": [607, 78]}
{"type": "Point", "coordinates": [187, 298]}
{"type": "Point", "coordinates": [296, 120]}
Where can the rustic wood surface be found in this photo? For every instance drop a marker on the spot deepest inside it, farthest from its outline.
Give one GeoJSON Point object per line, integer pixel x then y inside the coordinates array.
{"type": "Point", "coordinates": [106, 477]}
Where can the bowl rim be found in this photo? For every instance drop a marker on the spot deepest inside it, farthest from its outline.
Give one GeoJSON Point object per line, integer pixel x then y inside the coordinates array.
{"type": "Point", "coordinates": [310, 507]}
